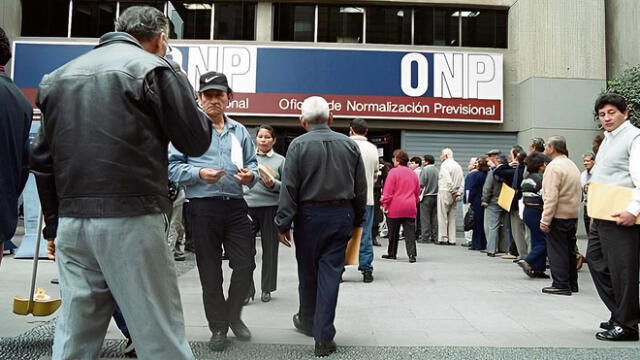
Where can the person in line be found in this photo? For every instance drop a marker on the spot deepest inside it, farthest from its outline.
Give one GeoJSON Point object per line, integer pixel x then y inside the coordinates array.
{"type": "Point", "coordinates": [492, 211]}
{"type": "Point", "coordinates": [218, 213]}
{"type": "Point", "coordinates": [324, 193]}
{"type": "Point", "coordinates": [399, 198]}
{"type": "Point", "coordinates": [537, 145]}
{"type": "Point", "coordinates": [534, 265]}
{"type": "Point", "coordinates": [614, 246]}
{"type": "Point", "coordinates": [176, 224]}
{"type": "Point", "coordinates": [415, 164]}
{"type": "Point", "coordinates": [561, 202]}
{"type": "Point", "coordinates": [263, 204]}
{"type": "Point", "coordinates": [450, 188]}
{"type": "Point", "coordinates": [472, 166]}
{"type": "Point", "coordinates": [15, 121]}
{"type": "Point", "coordinates": [358, 132]}
{"type": "Point", "coordinates": [588, 161]}
{"type": "Point", "coordinates": [429, 202]}
{"type": "Point", "coordinates": [473, 196]}
{"type": "Point", "coordinates": [102, 181]}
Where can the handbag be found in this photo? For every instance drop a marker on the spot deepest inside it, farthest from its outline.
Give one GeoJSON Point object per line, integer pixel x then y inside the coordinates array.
{"type": "Point", "coordinates": [469, 222]}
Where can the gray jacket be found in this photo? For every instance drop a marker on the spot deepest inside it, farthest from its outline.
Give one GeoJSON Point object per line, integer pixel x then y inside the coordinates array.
{"type": "Point", "coordinates": [491, 189]}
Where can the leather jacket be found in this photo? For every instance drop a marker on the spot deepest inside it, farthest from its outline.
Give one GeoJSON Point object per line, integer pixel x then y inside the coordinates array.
{"type": "Point", "coordinates": [108, 117]}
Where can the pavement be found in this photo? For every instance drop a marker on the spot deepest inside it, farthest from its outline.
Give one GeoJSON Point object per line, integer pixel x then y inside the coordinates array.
{"type": "Point", "coordinates": [452, 304]}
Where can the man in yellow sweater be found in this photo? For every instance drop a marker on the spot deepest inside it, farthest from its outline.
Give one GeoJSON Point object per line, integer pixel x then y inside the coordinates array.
{"type": "Point", "coordinates": [561, 193]}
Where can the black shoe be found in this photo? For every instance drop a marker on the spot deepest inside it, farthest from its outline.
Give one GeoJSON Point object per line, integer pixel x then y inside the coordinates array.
{"type": "Point", "coordinates": [179, 257]}
{"type": "Point", "coordinates": [526, 268]}
{"type": "Point", "coordinates": [367, 276]}
{"type": "Point", "coordinates": [129, 351]}
{"type": "Point", "coordinates": [555, 291]}
{"type": "Point", "coordinates": [218, 341]}
{"type": "Point", "coordinates": [303, 328]}
{"type": "Point", "coordinates": [540, 275]}
{"type": "Point", "coordinates": [574, 288]}
{"type": "Point", "coordinates": [376, 243]}
{"type": "Point", "coordinates": [607, 325]}
{"type": "Point", "coordinates": [412, 259]}
{"type": "Point", "coordinates": [616, 334]}
{"type": "Point", "coordinates": [55, 281]}
{"type": "Point", "coordinates": [266, 296]}
{"type": "Point", "coordinates": [249, 297]}
{"type": "Point", "coordinates": [240, 330]}
{"type": "Point", "coordinates": [490, 254]}
{"type": "Point", "coordinates": [390, 257]}
{"type": "Point", "coordinates": [325, 348]}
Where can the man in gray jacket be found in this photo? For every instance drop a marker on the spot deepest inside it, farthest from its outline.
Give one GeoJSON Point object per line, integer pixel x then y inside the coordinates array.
{"type": "Point", "coordinates": [493, 212]}
{"type": "Point", "coordinates": [429, 202]}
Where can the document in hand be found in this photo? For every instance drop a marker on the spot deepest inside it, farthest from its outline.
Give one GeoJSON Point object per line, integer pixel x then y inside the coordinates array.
{"type": "Point", "coordinates": [604, 200]}
{"type": "Point", "coordinates": [352, 256]}
{"type": "Point", "coordinates": [266, 172]}
{"type": "Point", "coordinates": [506, 196]}
{"type": "Point", "coordinates": [237, 155]}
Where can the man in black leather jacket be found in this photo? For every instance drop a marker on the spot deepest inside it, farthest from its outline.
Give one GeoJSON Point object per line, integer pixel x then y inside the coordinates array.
{"type": "Point", "coordinates": [101, 165]}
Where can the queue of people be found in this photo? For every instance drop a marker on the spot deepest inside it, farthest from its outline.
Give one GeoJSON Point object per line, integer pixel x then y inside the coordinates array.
{"type": "Point", "coordinates": [108, 230]}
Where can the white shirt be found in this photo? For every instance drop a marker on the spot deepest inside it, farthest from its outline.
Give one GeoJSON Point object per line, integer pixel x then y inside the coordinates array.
{"type": "Point", "coordinates": [634, 166]}
{"type": "Point", "coordinates": [369, 154]}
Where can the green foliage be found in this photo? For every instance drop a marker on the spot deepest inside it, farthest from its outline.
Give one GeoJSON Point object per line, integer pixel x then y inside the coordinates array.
{"type": "Point", "coordinates": [627, 84]}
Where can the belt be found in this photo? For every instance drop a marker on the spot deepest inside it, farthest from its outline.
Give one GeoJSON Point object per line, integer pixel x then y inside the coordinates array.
{"type": "Point", "coordinates": [224, 198]}
{"type": "Point", "coordinates": [326, 202]}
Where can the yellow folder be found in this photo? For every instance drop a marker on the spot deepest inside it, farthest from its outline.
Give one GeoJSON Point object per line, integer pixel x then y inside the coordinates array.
{"type": "Point", "coordinates": [352, 256]}
{"type": "Point", "coordinates": [604, 200]}
{"type": "Point", "coordinates": [506, 196]}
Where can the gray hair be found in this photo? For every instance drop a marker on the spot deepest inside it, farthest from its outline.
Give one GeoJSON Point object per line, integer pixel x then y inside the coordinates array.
{"type": "Point", "coordinates": [590, 155]}
{"type": "Point", "coordinates": [142, 22]}
{"type": "Point", "coordinates": [559, 144]}
{"type": "Point", "coordinates": [315, 110]}
{"type": "Point", "coordinates": [448, 153]}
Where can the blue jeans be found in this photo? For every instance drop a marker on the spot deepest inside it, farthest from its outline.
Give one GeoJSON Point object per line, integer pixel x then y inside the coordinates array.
{"type": "Point", "coordinates": [366, 243]}
{"type": "Point", "coordinates": [537, 258]}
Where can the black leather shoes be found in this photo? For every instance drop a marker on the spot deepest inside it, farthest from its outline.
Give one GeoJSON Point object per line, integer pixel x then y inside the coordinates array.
{"type": "Point", "coordinates": [367, 276]}
{"type": "Point", "coordinates": [218, 341]}
{"type": "Point", "coordinates": [490, 254]}
{"type": "Point", "coordinates": [390, 257]}
{"type": "Point", "coordinates": [555, 291]}
{"type": "Point", "coordinates": [412, 259]}
{"type": "Point", "coordinates": [618, 333]}
{"type": "Point", "coordinates": [526, 267]}
{"type": "Point", "coordinates": [302, 327]}
{"type": "Point", "coordinates": [574, 288]}
{"type": "Point", "coordinates": [266, 296]}
{"type": "Point", "coordinates": [325, 348]}
{"type": "Point", "coordinates": [607, 325]}
{"type": "Point", "coordinates": [240, 330]}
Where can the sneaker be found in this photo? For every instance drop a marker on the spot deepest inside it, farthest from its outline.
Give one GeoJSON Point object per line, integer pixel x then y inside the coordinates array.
{"type": "Point", "coordinates": [129, 350]}
{"type": "Point", "coordinates": [508, 257]}
{"type": "Point", "coordinates": [367, 276]}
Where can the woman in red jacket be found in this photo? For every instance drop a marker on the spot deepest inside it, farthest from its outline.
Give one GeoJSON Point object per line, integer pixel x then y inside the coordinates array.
{"type": "Point", "coordinates": [400, 197]}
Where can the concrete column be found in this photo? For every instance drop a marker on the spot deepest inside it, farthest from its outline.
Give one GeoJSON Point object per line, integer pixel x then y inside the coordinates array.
{"type": "Point", "coordinates": [263, 21]}
{"type": "Point", "coordinates": [11, 20]}
{"type": "Point", "coordinates": [558, 68]}
{"type": "Point", "coordinates": [623, 35]}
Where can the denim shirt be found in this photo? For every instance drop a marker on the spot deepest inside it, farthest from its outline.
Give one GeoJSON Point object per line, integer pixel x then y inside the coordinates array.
{"type": "Point", "coordinates": [185, 170]}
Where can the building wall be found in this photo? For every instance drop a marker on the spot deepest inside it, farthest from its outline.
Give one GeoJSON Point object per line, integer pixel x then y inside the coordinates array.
{"type": "Point", "coordinates": [11, 20]}
{"type": "Point", "coordinates": [623, 36]}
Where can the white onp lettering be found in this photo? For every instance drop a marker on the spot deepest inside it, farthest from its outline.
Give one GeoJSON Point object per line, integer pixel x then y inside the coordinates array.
{"type": "Point", "coordinates": [236, 61]}
{"type": "Point", "coordinates": [448, 75]}
{"type": "Point", "coordinates": [482, 69]}
{"type": "Point", "coordinates": [406, 74]}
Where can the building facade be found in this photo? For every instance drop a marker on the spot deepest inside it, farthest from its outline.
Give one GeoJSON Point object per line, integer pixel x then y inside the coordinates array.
{"type": "Point", "coordinates": [471, 75]}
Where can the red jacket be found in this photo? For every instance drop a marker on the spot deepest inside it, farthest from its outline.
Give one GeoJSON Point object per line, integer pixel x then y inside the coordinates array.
{"type": "Point", "coordinates": [401, 192]}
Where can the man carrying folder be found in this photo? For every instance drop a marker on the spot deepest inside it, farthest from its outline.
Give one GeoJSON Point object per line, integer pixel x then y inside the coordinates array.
{"type": "Point", "coordinates": [614, 246]}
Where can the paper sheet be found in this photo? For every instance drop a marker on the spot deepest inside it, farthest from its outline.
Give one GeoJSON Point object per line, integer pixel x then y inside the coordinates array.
{"type": "Point", "coordinates": [604, 200]}
{"type": "Point", "coordinates": [237, 157]}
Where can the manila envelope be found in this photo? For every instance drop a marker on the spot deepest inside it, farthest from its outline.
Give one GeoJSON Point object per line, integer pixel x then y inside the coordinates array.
{"type": "Point", "coordinates": [506, 197]}
{"type": "Point", "coordinates": [604, 200]}
{"type": "Point", "coordinates": [352, 256]}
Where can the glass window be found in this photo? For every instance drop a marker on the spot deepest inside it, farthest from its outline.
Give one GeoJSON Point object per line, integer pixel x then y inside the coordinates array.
{"type": "Point", "coordinates": [341, 24]}
{"type": "Point", "coordinates": [436, 26]}
{"type": "Point", "coordinates": [293, 22]}
{"type": "Point", "coordinates": [388, 25]}
{"type": "Point", "coordinates": [235, 21]}
{"type": "Point", "coordinates": [478, 28]}
{"type": "Point", "coordinates": [155, 3]}
{"type": "Point", "coordinates": [502, 33]}
{"type": "Point", "coordinates": [92, 19]}
{"type": "Point", "coordinates": [189, 20]}
{"type": "Point", "coordinates": [45, 18]}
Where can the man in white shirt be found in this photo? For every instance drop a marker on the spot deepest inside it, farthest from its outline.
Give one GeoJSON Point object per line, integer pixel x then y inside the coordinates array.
{"type": "Point", "coordinates": [358, 131]}
{"type": "Point", "coordinates": [450, 189]}
{"type": "Point", "coordinates": [614, 246]}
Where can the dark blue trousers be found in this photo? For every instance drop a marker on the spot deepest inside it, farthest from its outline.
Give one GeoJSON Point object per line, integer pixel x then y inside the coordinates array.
{"type": "Point", "coordinates": [478, 238]}
{"type": "Point", "coordinates": [321, 234]}
{"type": "Point", "coordinates": [537, 258]}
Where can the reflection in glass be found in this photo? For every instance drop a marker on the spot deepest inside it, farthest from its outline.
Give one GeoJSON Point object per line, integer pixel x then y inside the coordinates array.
{"type": "Point", "coordinates": [92, 19]}
{"type": "Point", "coordinates": [342, 24]}
{"type": "Point", "coordinates": [389, 25]}
{"type": "Point", "coordinates": [293, 22]}
{"type": "Point", "coordinates": [45, 18]}
{"type": "Point", "coordinates": [189, 20]}
{"type": "Point", "coordinates": [235, 21]}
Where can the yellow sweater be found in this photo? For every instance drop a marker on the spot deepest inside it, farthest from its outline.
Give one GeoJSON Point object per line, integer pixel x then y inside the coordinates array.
{"type": "Point", "coordinates": [561, 190]}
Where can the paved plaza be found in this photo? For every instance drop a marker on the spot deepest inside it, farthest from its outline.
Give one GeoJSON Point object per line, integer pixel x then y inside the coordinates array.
{"type": "Point", "coordinates": [452, 304]}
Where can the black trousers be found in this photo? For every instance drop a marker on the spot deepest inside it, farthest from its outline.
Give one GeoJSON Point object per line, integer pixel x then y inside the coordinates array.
{"type": "Point", "coordinates": [394, 234]}
{"type": "Point", "coordinates": [216, 224]}
{"type": "Point", "coordinates": [587, 220]}
{"type": "Point", "coordinates": [612, 256]}
{"type": "Point", "coordinates": [321, 234]}
{"type": "Point", "coordinates": [561, 250]}
{"type": "Point", "coordinates": [262, 220]}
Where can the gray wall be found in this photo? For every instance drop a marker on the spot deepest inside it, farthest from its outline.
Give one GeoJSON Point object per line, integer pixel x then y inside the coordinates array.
{"type": "Point", "coordinates": [623, 35]}
{"type": "Point", "coordinates": [11, 20]}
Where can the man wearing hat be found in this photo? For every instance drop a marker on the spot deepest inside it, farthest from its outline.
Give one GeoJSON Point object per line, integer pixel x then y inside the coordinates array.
{"type": "Point", "coordinates": [493, 212]}
{"type": "Point", "coordinates": [217, 211]}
